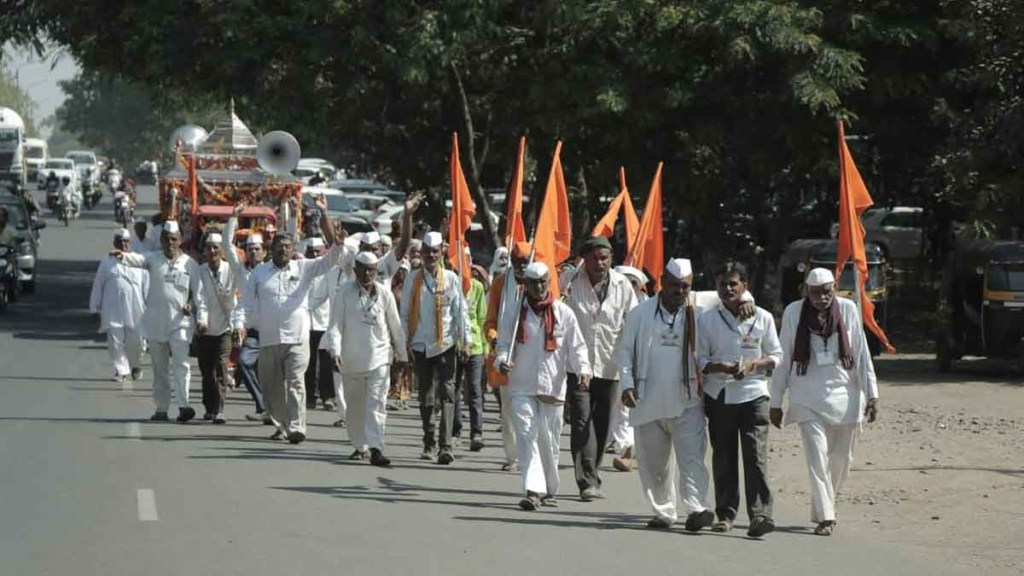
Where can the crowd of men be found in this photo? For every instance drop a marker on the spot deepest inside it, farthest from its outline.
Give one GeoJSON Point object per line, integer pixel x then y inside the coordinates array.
{"type": "Point", "coordinates": [354, 320]}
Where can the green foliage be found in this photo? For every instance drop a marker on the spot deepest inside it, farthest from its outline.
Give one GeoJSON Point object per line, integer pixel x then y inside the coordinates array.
{"type": "Point", "coordinates": [14, 97]}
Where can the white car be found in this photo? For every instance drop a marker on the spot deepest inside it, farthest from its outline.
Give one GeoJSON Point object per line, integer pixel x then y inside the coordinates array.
{"type": "Point", "coordinates": [386, 215]}
{"type": "Point", "coordinates": [367, 205]}
{"type": "Point", "coordinates": [475, 225]}
{"type": "Point", "coordinates": [85, 161]}
{"type": "Point", "coordinates": [60, 167]}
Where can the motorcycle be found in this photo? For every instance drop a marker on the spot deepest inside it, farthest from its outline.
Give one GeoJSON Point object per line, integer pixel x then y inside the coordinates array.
{"type": "Point", "coordinates": [52, 196]}
{"type": "Point", "coordinates": [114, 180]}
{"type": "Point", "coordinates": [9, 283]}
{"type": "Point", "coordinates": [66, 211]}
{"type": "Point", "coordinates": [124, 212]}
{"type": "Point", "coordinates": [91, 194]}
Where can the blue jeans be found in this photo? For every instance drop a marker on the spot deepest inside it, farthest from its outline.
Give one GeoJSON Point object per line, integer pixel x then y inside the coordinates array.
{"type": "Point", "coordinates": [469, 382]}
{"type": "Point", "coordinates": [248, 356]}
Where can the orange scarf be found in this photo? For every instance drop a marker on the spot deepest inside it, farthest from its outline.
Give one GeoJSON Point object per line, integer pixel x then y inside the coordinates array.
{"type": "Point", "coordinates": [414, 306]}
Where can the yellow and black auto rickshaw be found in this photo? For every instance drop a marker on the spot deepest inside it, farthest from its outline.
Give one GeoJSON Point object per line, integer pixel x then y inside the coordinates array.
{"type": "Point", "coordinates": [982, 305]}
{"type": "Point", "coordinates": [801, 256]}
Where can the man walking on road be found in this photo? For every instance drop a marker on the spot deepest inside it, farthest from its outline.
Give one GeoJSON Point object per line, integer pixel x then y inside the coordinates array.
{"type": "Point", "coordinates": [547, 342]}
{"type": "Point", "coordinates": [119, 296]}
{"type": "Point", "coordinates": [319, 375]}
{"type": "Point", "coordinates": [219, 292]}
{"type": "Point", "coordinates": [276, 295]}
{"type": "Point", "coordinates": [832, 387]}
{"type": "Point", "coordinates": [363, 333]}
{"type": "Point", "coordinates": [736, 356]}
{"type": "Point", "coordinates": [600, 298]}
{"type": "Point", "coordinates": [175, 295]}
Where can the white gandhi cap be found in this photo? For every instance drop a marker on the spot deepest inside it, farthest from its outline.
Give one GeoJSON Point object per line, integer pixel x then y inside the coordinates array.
{"type": "Point", "coordinates": [536, 271]}
{"type": "Point", "coordinates": [820, 277]}
{"type": "Point", "coordinates": [123, 234]}
{"type": "Point", "coordinates": [366, 258]}
{"type": "Point", "coordinates": [632, 273]}
{"type": "Point", "coordinates": [369, 238]}
{"type": "Point", "coordinates": [171, 227]}
{"type": "Point", "coordinates": [315, 242]}
{"type": "Point", "coordinates": [679, 267]}
{"type": "Point", "coordinates": [254, 240]}
{"type": "Point", "coordinates": [213, 238]}
{"type": "Point", "coordinates": [433, 240]}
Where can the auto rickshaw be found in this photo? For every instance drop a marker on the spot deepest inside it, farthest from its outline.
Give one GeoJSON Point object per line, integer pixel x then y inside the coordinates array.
{"type": "Point", "coordinates": [982, 305]}
{"type": "Point", "coordinates": [804, 255]}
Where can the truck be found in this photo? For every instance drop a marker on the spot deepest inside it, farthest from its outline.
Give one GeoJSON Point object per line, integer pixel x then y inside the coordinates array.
{"type": "Point", "coordinates": [37, 152]}
{"type": "Point", "coordinates": [12, 154]}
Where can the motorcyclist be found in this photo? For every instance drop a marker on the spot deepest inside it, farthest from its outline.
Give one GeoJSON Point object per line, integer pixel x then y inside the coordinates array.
{"type": "Point", "coordinates": [30, 202]}
{"type": "Point", "coordinates": [68, 193]}
{"type": "Point", "coordinates": [52, 182]}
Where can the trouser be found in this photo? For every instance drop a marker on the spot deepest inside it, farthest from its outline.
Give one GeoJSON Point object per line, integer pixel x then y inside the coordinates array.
{"type": "Point", "coordinates": [621, 431]}
{"type": "Point", "coordinates": [749, 421]}
{"type": "Point", "coordinates": [339, 394]}
{"type": "Point", "coordinates": [436, 379]}
{"type": "Point", "coordinates": [125, 348]}
{"type": "Point", "coordinates": [213, 352]}
{"type": "Point", "coordinates": [248, 359]}
{"type": "Point", "coordinates": [538, 427]}
{"type": "Point", "coordinates": [829, 452]}
{"type": "Point", "coordinates": [508, 433]}
{"type": "Point", "coordinates": [281, 368]}
{"type": "Point", "coordinates": [170, 362]}
{"type": "Point", "coordinates": [469, 378]}
{"type": "Point", "coordinates": [670, 458]}
{"type": "Point", "coordinates": [318, 378]}
{"type": "Point", "coordinates": [366, 394]}
{"type": "Point", "coordinates": [591, 412]}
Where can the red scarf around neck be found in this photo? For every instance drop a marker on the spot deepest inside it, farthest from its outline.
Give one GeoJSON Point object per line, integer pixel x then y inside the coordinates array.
{"type": "Point", "coordinates": [544, 309]}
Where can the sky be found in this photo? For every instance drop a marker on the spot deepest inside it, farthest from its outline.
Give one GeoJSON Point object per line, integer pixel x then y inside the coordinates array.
{"type": "Point", "coordinates": [39, 77]}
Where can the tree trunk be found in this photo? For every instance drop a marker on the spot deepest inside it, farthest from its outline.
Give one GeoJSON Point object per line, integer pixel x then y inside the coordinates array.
{"type": "Point", "coordinates": [483, 208]}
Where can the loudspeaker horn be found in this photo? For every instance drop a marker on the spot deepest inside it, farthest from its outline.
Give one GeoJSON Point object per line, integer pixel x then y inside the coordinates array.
{"type": "Point", "coordinates": [278, 152]}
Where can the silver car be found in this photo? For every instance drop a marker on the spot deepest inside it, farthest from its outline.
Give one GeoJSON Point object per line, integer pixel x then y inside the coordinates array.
{"type": "Point", "coordinates": [899, 231]}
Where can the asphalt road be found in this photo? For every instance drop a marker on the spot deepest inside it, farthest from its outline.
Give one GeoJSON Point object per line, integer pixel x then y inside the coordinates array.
{"type": "Point", "coordinates": [88, 486]}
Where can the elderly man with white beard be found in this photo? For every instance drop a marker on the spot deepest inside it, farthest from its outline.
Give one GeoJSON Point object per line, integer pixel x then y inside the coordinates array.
{"type": "Point", "coordinates": [660, 382]}
{"type": "Point", "coordinates": [832, 387]}
{"type": "Point", "coordinates": [363, 333]}
{"type": "Point", "coordinates": [536, 345]}
{"type": "Point", "coordinates": [119, 297]}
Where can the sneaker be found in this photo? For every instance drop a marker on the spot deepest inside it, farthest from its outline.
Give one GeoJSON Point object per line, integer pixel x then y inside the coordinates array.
{"type": "Point", "coordinates": [427, 454]}
{"type": "Point", "coordinates": [207, 416]}
{"type": "Point", "coordinates": [590, 494]}
{"type": "Point", "coordinates": [377, 458]}
{"type": "Point", "coordinates": [530, 503]}
{"type": "Point", "coordinates": [277, 435]}
{"type": "Point", "coordinates": [296, 437]}
{"type": "Point", "coordinates": [476, 444]}
{"type": "Point", "coordinates": [339, 423]}
{"type": "Point", "coordinates": [136, 373]}
{"type": "Point", "coordinates": [760, 526]}
{"type": "Point", "coordinates": [446, 457]}
{"type": "Point", "coordinates": [185, 414]}
{"type": "Point", "coordinates": [329, 405]}
{"type": "Point", "coordinates": [219, 419]}
{"type": "Point", "coordinates": [159, 417]}
{"type": "Point", "coordinates": [698, 520]}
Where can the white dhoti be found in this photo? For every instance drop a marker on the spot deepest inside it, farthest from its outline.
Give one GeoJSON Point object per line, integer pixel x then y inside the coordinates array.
{"type": "Point", "coordinates": [340, 404]}
{"type": "Point", "coordinates": [125, 348]}
{"type": "Point", "coordinates": [508, 432]}
{"type": "Point", "coordinates": [538, 427]}
{"type": "Point", "coordinates": [366, 393]}
{"type": "Point", "coordinates": [664, 445]}
{"type": "Point", "coordinates": [621, 431]}
{"type": "Point", "coordinates": [282, 370]}
{"type": "Point", "coordinates": [829, 452]}
{"type": "Point", "coordinates": [170, 362]}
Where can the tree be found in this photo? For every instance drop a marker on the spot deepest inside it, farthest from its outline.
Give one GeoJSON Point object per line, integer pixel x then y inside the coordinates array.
{"type": "Point", "coordinates": [13, 96]}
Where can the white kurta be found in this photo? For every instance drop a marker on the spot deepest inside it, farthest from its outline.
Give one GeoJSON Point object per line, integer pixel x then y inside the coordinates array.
{"type": "Point", "coordinates": [172, 285]}
{"type": "Point", "coordinates": [364, 330]}
{"type": "Point", "coordinates": [220, 292]}
{"type": "Point", "coordinates": [119, 295]}
{"type": "Point", "coordinates": [601, 321]}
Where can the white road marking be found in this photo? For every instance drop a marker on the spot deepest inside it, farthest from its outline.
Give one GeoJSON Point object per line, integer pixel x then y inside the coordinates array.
{"type": "Point", "coordinates": [147, 505]}
{"type": "Point", "coordinates": [133, 431]}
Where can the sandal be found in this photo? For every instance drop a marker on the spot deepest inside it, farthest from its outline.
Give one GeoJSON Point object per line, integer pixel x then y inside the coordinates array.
{"type": "Point", "coordinates": [825, 528]}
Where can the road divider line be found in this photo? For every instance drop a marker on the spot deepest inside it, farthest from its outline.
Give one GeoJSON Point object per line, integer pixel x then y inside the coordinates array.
{"type": "Point", "coordinates": [134, 431]}
{"type": "Point", "coordinates": [147, 505]}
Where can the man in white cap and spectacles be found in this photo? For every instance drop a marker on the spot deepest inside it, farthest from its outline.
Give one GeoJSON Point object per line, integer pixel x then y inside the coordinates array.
{"type": "Point", "coordinates": [830, 378]}
{"type": "Point", "coordinates": [175, 295]}
{"type": "Point", "coordinates": [661, 385]}
{"type": "Point", "coordinates": [363, 334]}
{"type": "Point", "coordinates": [214, 344]}
{"type": "Point", "coordinates": [319, 377]}
{"type": "Point", "coordinates": [119, 297]}
{"type": "Point", "coordinates": [435, 316]}
{"type": "Point", "coordinates": [536, 345]}
{"type": "Point", "coordinates": [276, 297]}
{"type": "Point", "coordinates": [248, 340]}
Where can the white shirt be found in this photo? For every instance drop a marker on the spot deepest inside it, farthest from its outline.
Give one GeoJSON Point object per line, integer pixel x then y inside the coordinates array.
{"type": "Point", "coordinates": [119, 295]}
{"type": "Point", "coordinates": [238, 269]}
{"type": "Point", "coordinates": [172, 285]}
{"type": "Point", "coordinates": [320, 302]}
{"type": "Point", "coordinates": [220, 292]}
{"type": "Point", "coordinates": [601, 321]}
{"type": "Point", "coordinates": [723, 338]}
{"type": "Point", "coordinates": [150, 244]}
{"type": "Point", "coordinates": [279, 298]}
{"type": "Point", "coordinates": [364, 329]}
{"type": "Point", "coordinates": [455, 310]}
{"type": "Point", "coordinates": [537, 372]}
{"type": "Point", "coordinates": [828, 392]}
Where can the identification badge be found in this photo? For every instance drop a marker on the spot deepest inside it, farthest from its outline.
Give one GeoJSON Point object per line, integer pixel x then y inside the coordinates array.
{"type": "Point", "coordinates": [671, 338]}
{"type": "Point", "coordinates": [750, 342]}
{"type": "Point", "coordinates": [370, 318]}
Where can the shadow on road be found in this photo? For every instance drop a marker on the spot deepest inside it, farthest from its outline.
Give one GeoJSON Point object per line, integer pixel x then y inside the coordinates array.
{"type": "Point", "coordinates": [59, 310]}
{"type": "Point", "coordinates": [897, 371]}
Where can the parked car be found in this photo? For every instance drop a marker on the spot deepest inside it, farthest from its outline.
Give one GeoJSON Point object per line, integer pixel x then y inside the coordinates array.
{"type": "Point", "coordinates": [352, 186]}
{"type": "Point", "coordinates": [366, 205]}
{"type": "Point", "coordinates": [28, 239]}
{"type": "Point", "coordinates": [338, 208]}
{"type": "Point", "coordinates": [899, 231]}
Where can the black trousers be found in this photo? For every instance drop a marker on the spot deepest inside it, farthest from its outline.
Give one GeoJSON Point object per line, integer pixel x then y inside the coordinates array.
{"type": "Point", "coordinates": [590, 415]}
{"type": "Point", "coordinates": [749, 422]}
{"type": "Point", "coordinates": [436, 379]}
{"type": "Point", "coordinates": [212, 353]}
{"type": "Point", "coordinates": [320, 371]}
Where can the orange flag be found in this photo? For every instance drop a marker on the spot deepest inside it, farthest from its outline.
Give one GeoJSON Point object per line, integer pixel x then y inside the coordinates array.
{"type": "Point", "coordinates": [554, 230]}
{"type": "Point", "coordinates": [648, 251]}
{"type": "Point", "coordinates": [622, 203]}
{"type": "Point", "coordinates": [854, 199]}
{"type": "Point", "coordinates": [514, 229]}
{"type": "Point", "coordinates": [463, 210]}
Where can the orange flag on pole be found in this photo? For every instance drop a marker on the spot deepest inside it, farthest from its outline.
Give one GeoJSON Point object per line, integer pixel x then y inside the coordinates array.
{"type": "Point", "coordinates": [854, 199]}
{"type": "Point", "coordinates": [554, 229]}
{"type": "Point", "coordinates": [514, 229]}
{"type": "Point", "coordinates": [622, 203]}
{"type": "Point", "coordinates": [648, 252]}
{"type": "Point", "coordinates": [463, 210]}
